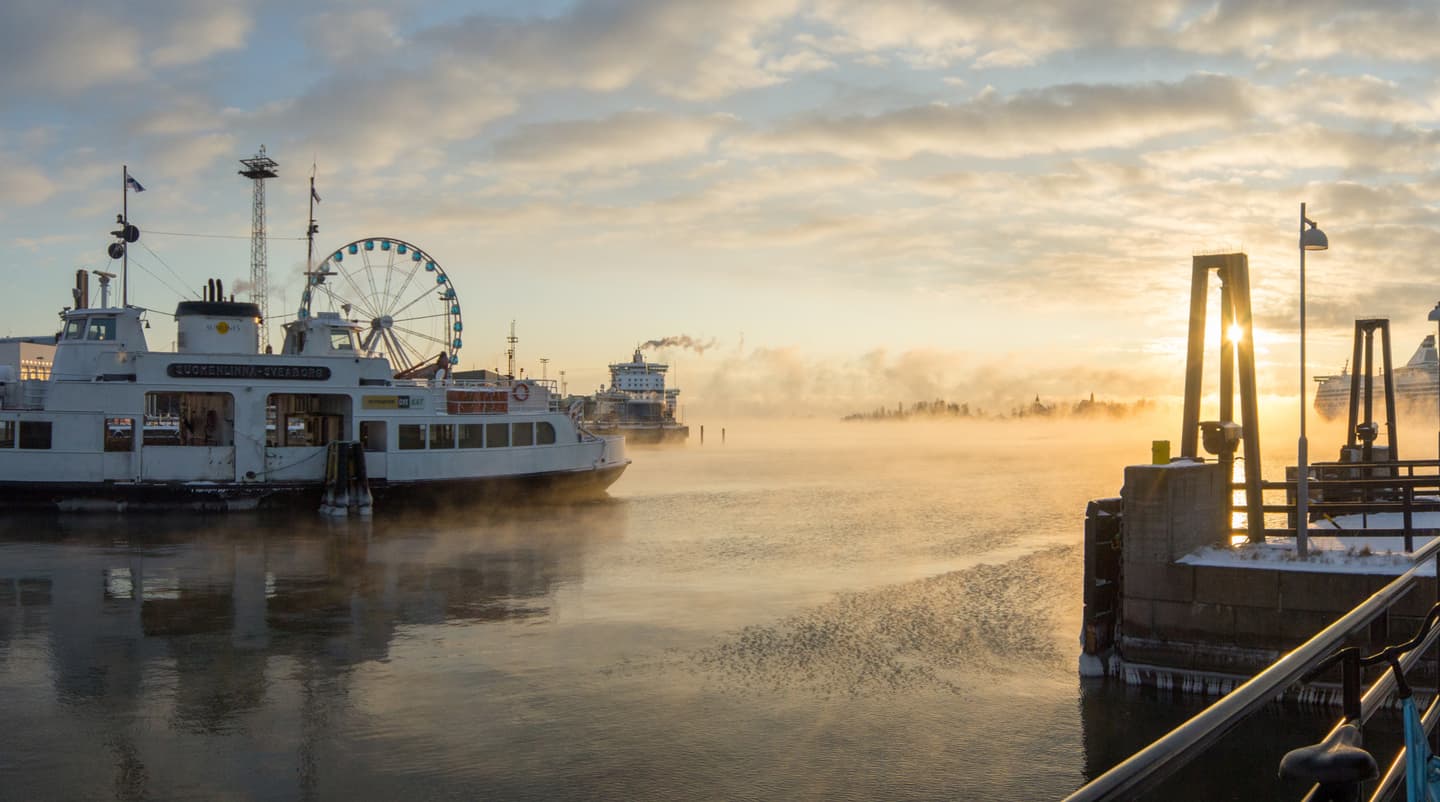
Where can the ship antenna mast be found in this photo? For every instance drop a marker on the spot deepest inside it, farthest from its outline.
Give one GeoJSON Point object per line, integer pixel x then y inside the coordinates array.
{"type": "Point", "coordinates": [312, 229]}
{"type": "Point", "coordinates": [257, 169]}
{"type": "Point", "coordinates": [510, 352]}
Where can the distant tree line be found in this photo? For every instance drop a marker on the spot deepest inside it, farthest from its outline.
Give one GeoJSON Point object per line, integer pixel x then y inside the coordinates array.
{"type": "Point", "coordinates": [942, 409]}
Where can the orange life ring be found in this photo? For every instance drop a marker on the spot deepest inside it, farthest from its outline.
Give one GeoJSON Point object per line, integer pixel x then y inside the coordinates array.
{"type": "Point", "coordinates": [521, 392]}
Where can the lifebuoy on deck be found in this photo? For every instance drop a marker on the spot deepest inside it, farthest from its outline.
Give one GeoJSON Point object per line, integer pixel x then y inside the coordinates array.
{"type": "Point", "coordinates": [521, 392]}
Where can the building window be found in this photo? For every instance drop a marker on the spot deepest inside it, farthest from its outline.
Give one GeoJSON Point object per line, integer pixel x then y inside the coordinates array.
{"type": "Point", "coordinates": [522, 434]}
{"type": "Point", "coordinates": [372, 435]}
{"type": "Point", "coordinates": [472, 435]}
{"type": "Point", "coordinates": [544, 434]}
{"type": "Point", "coordinates": [442, 435]}
{"type": "Point", "coordinates": [412, 436]}
{"type": "Point", "coordinates": [35, 434]}
{"type": "Point", "coordinates": [497, 435]}
{"type": "Point", "coordinates": [119, 434]}
{"type": "Point", "coordinates": [7, 434]}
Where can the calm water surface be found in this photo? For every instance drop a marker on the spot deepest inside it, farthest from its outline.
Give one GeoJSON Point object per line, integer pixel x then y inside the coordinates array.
{"type": "Point", "coordinates": [812, 611]}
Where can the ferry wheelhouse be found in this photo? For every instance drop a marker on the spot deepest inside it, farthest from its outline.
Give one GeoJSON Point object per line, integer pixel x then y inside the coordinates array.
{"type": "Point", "coordinates": [111, 424]}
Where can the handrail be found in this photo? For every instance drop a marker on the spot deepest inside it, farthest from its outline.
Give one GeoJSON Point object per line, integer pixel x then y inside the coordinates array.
{"type": "Point", "coordinates": [1145, 769]}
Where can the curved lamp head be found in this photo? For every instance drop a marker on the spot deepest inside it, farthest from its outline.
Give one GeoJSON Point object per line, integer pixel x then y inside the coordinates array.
{"type": "Point", "coordinates": [1313, 239]}
{"type": "Point", "coordinates": [1435, 313]}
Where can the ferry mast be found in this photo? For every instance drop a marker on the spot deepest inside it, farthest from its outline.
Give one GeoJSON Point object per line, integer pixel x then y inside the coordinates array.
{"type": "Point", "coordinates": [257, 169]}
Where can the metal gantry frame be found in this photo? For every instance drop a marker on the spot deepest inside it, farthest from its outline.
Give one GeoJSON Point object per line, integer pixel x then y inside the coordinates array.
{"type": "Point", "coordinates": [1233, 270]}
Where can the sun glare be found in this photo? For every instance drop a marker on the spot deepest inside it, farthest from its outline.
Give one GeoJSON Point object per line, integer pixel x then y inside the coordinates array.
{"type": "Point", "coordinates": [1235, 333]}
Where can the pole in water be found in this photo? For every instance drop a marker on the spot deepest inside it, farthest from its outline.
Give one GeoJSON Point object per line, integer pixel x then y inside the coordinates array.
{"type": "Point", "coordinates": [702, 434]}
{"type": "Point", "coordinates": [722, 435]}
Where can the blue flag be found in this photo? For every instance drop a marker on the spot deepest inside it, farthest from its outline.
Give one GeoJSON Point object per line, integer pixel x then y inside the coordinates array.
{"type": "Point", "coordinates": [133, 184]}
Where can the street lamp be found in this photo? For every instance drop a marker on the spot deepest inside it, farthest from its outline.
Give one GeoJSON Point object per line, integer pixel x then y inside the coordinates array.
{"type": "Point", "coordinates": [1435, 316]}
{"type": "Point", "coordinates": [1311, 239]}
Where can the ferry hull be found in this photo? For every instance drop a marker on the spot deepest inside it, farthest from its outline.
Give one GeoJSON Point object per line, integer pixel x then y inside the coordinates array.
{"type": "Point", "coordinates": [232, 497]}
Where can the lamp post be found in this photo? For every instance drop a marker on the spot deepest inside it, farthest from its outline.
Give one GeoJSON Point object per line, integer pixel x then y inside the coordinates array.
{"type": "Point", "coordinates": [1435, 316]}
{"type": "Point", "coordinates": [1311, 239]}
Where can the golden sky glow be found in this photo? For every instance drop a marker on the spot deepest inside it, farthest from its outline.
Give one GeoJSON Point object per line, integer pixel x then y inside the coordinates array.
{"type": "Point", "coordinates": [859, 202]}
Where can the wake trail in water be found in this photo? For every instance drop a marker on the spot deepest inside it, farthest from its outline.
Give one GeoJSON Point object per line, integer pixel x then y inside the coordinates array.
{"type": "Point", "coordinates": [950, 632]}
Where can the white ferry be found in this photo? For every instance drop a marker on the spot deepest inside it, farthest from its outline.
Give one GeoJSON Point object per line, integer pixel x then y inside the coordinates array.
{"type": "Point", "coordinates": [1416, 383]}
{"type": "Point", "coordinates": [110, 424]}
{"type": "Point", "coordinates": [637, 404]}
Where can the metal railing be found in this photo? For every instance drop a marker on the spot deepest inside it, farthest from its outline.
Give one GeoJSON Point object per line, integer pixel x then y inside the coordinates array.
{"type": "Point", "coordinates": [1147, 768]}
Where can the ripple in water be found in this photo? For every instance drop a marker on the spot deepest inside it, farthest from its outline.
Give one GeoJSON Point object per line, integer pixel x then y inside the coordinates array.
{"type": "Point", "coordinates": [950, 632]}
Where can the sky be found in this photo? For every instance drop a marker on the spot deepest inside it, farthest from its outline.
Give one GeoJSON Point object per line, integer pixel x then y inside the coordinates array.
{"type": "Point", "coordinates": [857, 203]}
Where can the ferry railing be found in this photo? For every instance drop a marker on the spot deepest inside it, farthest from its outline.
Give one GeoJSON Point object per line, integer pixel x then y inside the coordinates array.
{"type": "Point", "coordinates": [1147, 768]}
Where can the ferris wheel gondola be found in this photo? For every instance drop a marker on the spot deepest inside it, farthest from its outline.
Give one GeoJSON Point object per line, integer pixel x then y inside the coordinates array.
{"type": "Point", "coordinates": [397, 291]}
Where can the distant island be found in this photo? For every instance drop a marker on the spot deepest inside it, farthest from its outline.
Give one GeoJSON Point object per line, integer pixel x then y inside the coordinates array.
{"type": "Point", "coordinates": [941, 409]}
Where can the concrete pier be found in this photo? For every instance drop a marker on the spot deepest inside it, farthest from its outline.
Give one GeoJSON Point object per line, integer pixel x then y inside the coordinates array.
{"type": "Point", "coordinates": [1196, 613]}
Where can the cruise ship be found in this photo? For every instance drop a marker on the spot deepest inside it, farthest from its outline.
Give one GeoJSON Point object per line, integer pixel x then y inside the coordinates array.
{"type": "Point", "coordinates": [98, 420]}
{"type": "Point", "coordinates": [1416, 384]}
{"type": "Point", "coordinates": [637, 404]}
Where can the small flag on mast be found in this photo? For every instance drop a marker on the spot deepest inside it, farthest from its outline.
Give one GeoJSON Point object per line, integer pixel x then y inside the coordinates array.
{"type": "Point", "coordinates": [133, 184]}
{"type": "Point", "coordinates": [314, 194]}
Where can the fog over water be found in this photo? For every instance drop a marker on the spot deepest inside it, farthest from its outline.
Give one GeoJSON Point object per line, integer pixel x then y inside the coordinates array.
{"type": "Point", "coordinates": [812, 610]}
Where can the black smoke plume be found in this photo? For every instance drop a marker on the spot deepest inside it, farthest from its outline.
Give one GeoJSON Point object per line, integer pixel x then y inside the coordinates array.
{"type": "Point", "coordinates": [680, 341]}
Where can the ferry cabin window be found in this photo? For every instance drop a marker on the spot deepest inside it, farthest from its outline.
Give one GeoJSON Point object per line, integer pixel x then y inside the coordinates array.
{"type": "Point", "coordinates": [35, 434]}
{"type": "Point", "coordinates": [305, 419]}
{"type": "Point", "coordinates": [189, 419]}
{"type": "Point", "coordinates": [372, 435]}
{"type": "Point", "coordinates": [544, 434]}
{"type": "Point", "coordinates": [341, 341]}
{"type": "Point", "coordinates": [7, 434]}
{"type": "Point", "coordinates": [472, 435]}
{"type": "Point", "coordinates": [497, 435]}
{"type": "Point", "coordinates": [522, 434]}
{"type": "Point", "coordinates": [101, 328]}
{"type": "Point", "coordinates": [119, 434]}
{"type": "Point", "coordinates": [412, 436]}
{"type": "Point", "coordinates": [442, 435]}
{"type": "Point", "coordinates": [75, 328]}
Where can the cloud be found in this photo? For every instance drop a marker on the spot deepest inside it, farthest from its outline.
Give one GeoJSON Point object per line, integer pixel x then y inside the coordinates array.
{"type": "Point", "coordinates": [1306, 30]}
{"type": "Point", "coordinates": [350, 37]}
{"type": "Point", "coordinates": [199, 30]}
{"type": "Point", "coordinates": [1306, 147]}
{"type": "Point", "coordinates": [690, 49]}
{"type": "Point", "coordinates": [91, 44]}
{"type": "Point", "coordinates": [1067, 117]}
{"type": "Point", "coordinates": [622, 140]}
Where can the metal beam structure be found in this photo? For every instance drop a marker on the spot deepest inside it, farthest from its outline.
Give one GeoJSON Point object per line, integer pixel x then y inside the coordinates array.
{"type": "Point", "coordinates": [257, 169]}
{"type": "Point", "coordinates": [1233, 270]}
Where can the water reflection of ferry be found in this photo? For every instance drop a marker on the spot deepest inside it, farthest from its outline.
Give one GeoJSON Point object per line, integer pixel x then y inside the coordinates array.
{"type": "Point", "coordinates": [637, 404]}
{"type": "Point", "coordinates": [211, 631]}
{"type": "Point", "coordinates": [1415, 384]}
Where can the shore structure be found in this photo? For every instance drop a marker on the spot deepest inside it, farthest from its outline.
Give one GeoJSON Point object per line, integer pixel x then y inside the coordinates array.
{"type": "Point", "coordinates": [107, 423]}
{"type": "Point", "coordinates": [637, 404]}
{"type": "Point", "coordinates": [1186, 587]}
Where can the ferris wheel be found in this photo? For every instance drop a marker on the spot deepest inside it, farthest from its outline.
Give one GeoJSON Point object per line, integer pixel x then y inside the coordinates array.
{"type": "Point", "coordinates": [398, 292]}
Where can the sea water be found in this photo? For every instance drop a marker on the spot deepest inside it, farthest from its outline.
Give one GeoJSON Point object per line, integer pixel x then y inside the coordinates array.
{"type": "Point", "coordinates": [812, 610]}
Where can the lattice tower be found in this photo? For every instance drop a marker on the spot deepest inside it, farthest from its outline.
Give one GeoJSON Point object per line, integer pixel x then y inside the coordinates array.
{"type": "Point", "coordinates": [258, 169]}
